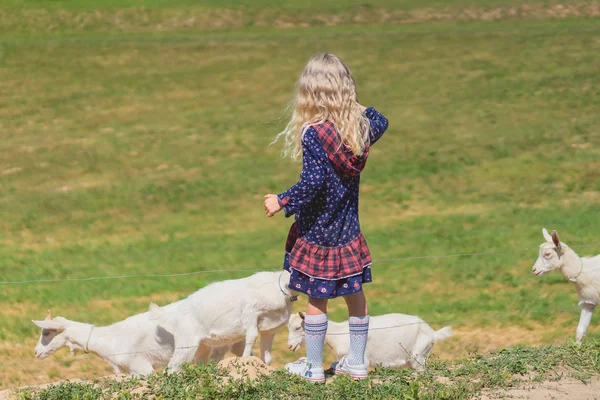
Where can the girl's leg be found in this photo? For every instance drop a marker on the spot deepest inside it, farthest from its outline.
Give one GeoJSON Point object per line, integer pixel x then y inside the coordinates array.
{"type": "Point", "coordinates": [315, 326]}
{"type": "Point", "coordinates": [315, 329]}
{"type": "Point", "coordinates": [316, 306]}
{"type": "Point", "coordinates": [359, 328]}
{"type": "Point", "coordinates": [357, 305]}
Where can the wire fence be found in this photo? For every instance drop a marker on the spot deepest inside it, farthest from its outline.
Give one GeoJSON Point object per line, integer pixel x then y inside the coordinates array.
{"type": "Point", "coordinates": [290, 337]}
{"type": "Point", "coordinates": [424, 257]}
{"type": "Point", "coordinates": [301, 335]}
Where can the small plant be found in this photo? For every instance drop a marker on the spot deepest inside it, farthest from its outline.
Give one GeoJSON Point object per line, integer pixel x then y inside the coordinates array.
{"type": "Point", "coordinates": [441, 381]}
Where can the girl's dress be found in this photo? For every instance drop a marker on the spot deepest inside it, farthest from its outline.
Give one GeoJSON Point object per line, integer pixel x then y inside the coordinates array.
{"type": "Point", "coordinates": [326, 253]}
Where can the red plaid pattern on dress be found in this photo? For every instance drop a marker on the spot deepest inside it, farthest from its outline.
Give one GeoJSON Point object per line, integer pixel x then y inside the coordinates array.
{"type": "Point", "coordinates": [341, 158]}
{"type": "Point", "coordinates": [325, 202]}
{"type": "Point", "coordinates": [328, 262]}
{"type": "Point", "coordinates": [291, 238]}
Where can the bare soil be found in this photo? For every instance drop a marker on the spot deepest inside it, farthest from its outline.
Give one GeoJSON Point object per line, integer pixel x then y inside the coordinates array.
{"type": "Point", "coordinates": [567, 388]}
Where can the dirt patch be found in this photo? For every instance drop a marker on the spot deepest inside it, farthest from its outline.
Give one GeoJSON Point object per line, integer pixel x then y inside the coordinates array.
{"type": "Point", "coordinates": [571, 389]}
{"type": "Point", "coordinates": [245, 367]}
{"type": "Point", "coordinates": [494, 337]}
{"type": "Point", "coordinates": [158, 297]}
{"type": "Point", "coordinates": [11, 171]}
{"type": "Point", "coordinates": [19, 309]}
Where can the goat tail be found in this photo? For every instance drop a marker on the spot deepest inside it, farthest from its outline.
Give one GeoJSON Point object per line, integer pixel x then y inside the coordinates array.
{"type": "Point", "coordinates": [442, 334]}
{"type": "Point", "coordinates": [157, 313]}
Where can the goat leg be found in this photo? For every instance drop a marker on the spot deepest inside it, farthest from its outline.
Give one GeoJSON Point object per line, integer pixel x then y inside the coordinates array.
{"type": "Point", "coordinates": [584, 321]}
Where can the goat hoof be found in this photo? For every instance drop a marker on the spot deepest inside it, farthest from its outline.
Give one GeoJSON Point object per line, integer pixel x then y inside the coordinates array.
{"type": "Point", "coordinates": [171, 371]}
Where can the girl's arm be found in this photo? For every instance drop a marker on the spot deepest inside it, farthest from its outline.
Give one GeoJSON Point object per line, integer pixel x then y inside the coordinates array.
{"type": "Point", "coordinates": [378, 123]}
{"type": "Point", "coordinates": [312, 177]}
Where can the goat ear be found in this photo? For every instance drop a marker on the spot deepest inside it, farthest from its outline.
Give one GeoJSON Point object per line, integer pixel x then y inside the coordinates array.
{"type": "Point", "coordinates": [547, 235]}
{"type": "Point", "coordinates": [301, 314]}
{"type": "Point", "coordinates": [50, 325]}
{"type": "Point", "coordinates": [555, 239]}
{"type": "Point", "coordinates": [557, 243]}
{"type": "Point", "coordinates": [48, 316]}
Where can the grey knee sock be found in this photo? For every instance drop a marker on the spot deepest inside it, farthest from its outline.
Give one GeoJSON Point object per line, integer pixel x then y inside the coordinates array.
{"type": "Point", "coordinates": [359, 332]}
{"type": "Point", "coordinates": [315, 328]}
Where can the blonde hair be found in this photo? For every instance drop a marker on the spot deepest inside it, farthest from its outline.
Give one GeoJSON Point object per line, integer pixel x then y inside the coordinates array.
{"type": "Point", "coordinates": [326, 92]}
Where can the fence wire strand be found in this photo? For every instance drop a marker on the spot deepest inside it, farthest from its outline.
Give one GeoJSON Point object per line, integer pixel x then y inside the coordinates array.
{"type": "Point", "coordinates": [425, 257]}
{"type": "Point", "coordinates": [438, 322]}
{"type": "Point", "coordinates": [458, 255]}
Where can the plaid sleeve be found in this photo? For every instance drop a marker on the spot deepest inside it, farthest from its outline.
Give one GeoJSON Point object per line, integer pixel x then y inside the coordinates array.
{"type": "Point", "coordinates": [378, 123]}
{"type": "Point", "coordinates": [312, 177]}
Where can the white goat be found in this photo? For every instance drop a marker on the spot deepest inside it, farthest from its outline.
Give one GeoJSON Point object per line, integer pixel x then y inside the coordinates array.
{"type": "Point", "coordinates": [228, 312]}
{"type": "Point", "coordinates": [584, 272]}
{"type": "Point", "coordinates": [136, 345]}
{"type": "Point", "coordinates": [395, 340]}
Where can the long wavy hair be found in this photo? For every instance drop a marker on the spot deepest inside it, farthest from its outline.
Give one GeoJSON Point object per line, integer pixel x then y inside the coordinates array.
{"type": "Point", "coordinates": [326, 91]}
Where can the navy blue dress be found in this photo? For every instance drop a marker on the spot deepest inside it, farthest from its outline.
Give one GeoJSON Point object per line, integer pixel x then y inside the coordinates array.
{"type": "Point", "coordinates": [326, 253]}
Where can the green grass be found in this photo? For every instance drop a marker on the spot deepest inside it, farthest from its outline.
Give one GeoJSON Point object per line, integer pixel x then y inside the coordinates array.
{"type": "Point", "coordinates": [41, 18]}
{"type": "Point", "coordinates": [464, 379]}
{"type": "Point", "coordinates": [147, 152]}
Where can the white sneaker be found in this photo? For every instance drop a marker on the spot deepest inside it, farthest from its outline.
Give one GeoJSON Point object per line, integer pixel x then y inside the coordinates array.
{"type": "Point", "coordinates": [356, 372]}
{"type": "Point", "coordinates": [306, 371]}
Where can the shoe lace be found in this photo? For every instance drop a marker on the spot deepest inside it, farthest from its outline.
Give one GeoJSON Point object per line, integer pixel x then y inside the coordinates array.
{"type": "Point", "coordinates": [301, 361]}
{"type": "Point", "coordinates": [343, 361]}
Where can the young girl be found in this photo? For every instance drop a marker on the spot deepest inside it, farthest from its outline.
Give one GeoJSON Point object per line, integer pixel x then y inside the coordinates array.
{"type": "Point", "coordinates": [326, 254]}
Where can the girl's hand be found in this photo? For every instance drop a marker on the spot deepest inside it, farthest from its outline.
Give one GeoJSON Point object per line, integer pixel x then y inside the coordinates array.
{"type": "Point", "coordinates": [272, 206]}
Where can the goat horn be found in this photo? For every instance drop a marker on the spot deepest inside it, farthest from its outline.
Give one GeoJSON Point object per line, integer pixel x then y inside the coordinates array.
{"type": "Point", "coordinates": [49, 315]}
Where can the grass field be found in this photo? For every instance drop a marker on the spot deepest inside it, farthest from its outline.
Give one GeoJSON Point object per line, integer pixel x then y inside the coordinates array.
{"type": "Point", "coordinates": [134, 143]}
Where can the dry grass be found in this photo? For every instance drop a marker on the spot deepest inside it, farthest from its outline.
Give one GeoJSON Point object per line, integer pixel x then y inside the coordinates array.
{"type": "Point", "coordinates": [136, 19]}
